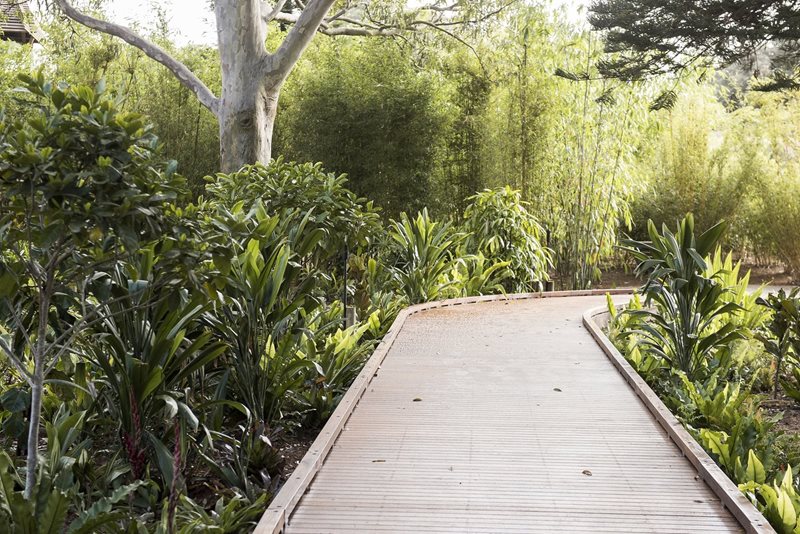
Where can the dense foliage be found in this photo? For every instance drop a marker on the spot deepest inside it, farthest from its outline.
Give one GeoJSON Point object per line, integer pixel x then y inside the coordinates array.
{"type": "Point", "coordinates": [168, 332]}
{"type": "Point", "coordinates": [152, 347]}
{"type": "Point", "coordinates": [365, 110]}
{"type": "Point", "coordinates": [426, 122]}
{"type": "Point", "coordinates": [501, 229]}
{"type": "Point", "coordinates": [690, 321]}
{"type": "Point", "coordinates": [730, 166]}
{"type": "Point", "coordinates": [659, 35]}
{"type": "Point", "coordinates": [69, 214]}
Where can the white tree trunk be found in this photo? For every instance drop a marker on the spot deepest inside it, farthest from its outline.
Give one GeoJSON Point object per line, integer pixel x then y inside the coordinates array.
{"type": "Point", "coordinates": [247, 107]}
{"type": "Point", "coordinates": [246, 122]}
{"type": "Point", "coordinates": [252, 78]}
{"type": "Point", "coordinates": [37, 386]}
{"type": "Point", "coordinates": [32, 464]}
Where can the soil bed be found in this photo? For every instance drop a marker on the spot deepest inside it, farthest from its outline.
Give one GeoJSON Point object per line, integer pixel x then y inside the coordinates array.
{"type": "Point", "coordinates": [770, 275]}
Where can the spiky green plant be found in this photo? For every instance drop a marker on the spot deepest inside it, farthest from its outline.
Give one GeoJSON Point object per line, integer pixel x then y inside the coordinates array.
{"type": "Point", "coordinates": [425, 257]}
{"type": "Point", "coordinates": [686, 306]}
{"type": "Point", "coordinates": [781, 335]}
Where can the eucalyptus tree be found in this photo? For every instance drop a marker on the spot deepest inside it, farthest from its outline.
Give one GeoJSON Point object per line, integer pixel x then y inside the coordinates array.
{"type": "Point", "coordinates": [252, 75]}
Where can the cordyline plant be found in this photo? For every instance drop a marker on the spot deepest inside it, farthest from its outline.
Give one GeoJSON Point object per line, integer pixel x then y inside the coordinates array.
{"type": "Point", "coordinates": [686, 325]}
{"type": "Point", "coordinates": [79, 192]}
{"type": "Point", "coordinates": [425, 251]}
{"type": "Point", "coordinates": [781, 335]}
{"type": "Point", "coordinates": [148, 343]}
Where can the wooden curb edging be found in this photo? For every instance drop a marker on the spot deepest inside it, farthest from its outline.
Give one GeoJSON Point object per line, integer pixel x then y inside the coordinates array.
{"type": "Point", "coordinates": [723, 487]}
{"type": "Point", "coordinates": [280, 509]}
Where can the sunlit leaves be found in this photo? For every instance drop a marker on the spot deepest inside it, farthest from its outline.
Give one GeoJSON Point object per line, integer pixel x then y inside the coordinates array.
{"type": "Point", "coordinates": [426, 252]}
{"type": "Point", "coordinates": [502, 229]}
{"type": "Point", "coordinates": [687, 324]}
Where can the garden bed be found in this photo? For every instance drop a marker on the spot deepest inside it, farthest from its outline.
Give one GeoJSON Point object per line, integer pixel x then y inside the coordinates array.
{"type": "Point", "coordinates": [712, 351]}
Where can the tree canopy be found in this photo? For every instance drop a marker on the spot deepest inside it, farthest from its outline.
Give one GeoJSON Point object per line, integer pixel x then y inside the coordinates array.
{"type": "Point", "coordinates": [656, 36]}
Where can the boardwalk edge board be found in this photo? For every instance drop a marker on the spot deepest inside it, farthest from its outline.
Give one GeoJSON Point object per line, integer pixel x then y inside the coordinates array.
{"type": "Point", "coordinates": [280, 509]}
{"type": "Point", "coordinates": [723, 487]}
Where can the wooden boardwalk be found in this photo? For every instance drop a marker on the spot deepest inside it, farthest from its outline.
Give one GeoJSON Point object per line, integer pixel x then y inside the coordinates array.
{"type": "Point", "coordinates": [501, 416]}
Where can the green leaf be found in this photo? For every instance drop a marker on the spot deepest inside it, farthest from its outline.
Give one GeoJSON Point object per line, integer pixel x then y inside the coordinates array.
{"type": "Point", "coordinates": [786, 511]}
{"type": "Point", "coordinates": [188, 415]}
{"type": "Point", "coordinates": [15, 400]}
{"type": "Point", "coordinates": [164, 459]}
{"type": "Point", "coordinates": [755, 469]}
{"type": "Point", "coordinates": [101, 513]}
{"type": "Point", "coordinates": [171, 405]}
{"type": "Point", "coordinates": [155, 380]}
{"type": "Point", "coordinates": [50, 520]}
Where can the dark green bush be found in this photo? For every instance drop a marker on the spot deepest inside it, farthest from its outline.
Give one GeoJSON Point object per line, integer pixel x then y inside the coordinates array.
{"type": "Point", "coordinates": [303, 190]}
{"type": "Point", "coordinates": [365, 110]}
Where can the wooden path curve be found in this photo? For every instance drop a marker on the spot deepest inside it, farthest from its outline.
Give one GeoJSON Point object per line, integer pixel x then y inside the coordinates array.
{"type": "Point", "coordinates": [505, 415]}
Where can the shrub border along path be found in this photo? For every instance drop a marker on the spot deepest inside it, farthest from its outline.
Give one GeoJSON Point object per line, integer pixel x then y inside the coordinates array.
{"type": "Point", "coordinates": [276, 516]}
{"type": "Point", "coordinates": [723, 487]}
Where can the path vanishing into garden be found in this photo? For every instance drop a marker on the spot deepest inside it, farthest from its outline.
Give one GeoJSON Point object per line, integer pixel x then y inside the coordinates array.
{"type": "Point", "coordinates": [505, 416]}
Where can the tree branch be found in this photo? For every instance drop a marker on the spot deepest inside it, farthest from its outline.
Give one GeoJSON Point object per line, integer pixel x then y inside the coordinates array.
{"type": "Point", "coordinates": [438, 8]}
{"type": "Point", "coordinates": [353, 28]}
{"type": "Point", "coordinates": [281, 62]}
{"type": "Point", "coordinates": [341, 23]}
{"type": "Point", "coordinates": [269, 13]}
{"type": "Point", "coordinates": [181, 71]}
{"type": "Point", "coordinates": [17, 364]}
{"type": "Point", "coordinates": [360, 31]}
{"type": "Point", "coordinates": [453, 36]}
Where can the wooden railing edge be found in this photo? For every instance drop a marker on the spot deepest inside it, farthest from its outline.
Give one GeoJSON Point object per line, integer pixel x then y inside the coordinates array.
{"type": "Point", "coordinates": [723, 487]}
{"type": "Point", "coordinates": [280, 509]}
